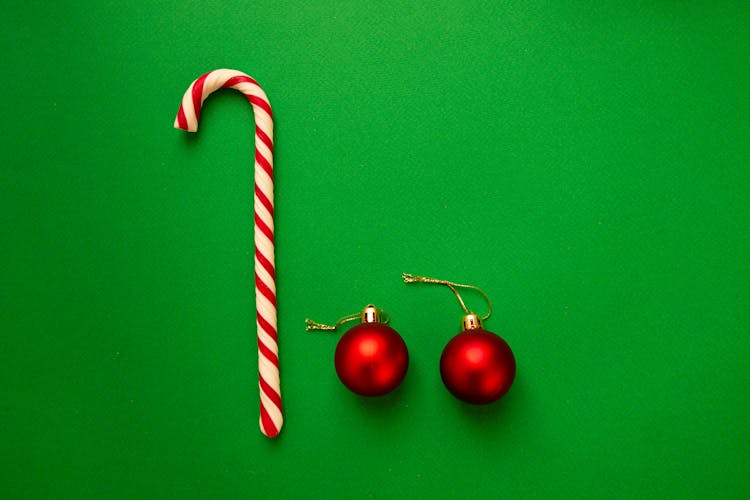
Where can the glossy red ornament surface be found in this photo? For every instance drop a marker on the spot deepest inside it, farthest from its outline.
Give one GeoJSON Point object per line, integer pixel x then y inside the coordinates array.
{"type": "Point", "coordinates": [477, 366]}
{"type": "Point", "coordinates": [371, 359]}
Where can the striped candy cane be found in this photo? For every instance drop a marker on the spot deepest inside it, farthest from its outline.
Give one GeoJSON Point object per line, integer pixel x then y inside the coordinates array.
{"type": "Point", "coordinates": [265, 275]}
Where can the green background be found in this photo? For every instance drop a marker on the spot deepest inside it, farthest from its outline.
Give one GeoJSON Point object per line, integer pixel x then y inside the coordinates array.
{"type": "Point", "coordinates": [586, 163]}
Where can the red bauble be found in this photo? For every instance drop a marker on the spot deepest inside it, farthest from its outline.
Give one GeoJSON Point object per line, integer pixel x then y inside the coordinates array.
{"type": "Point", "coordinates": [477, 366]}
{"type": "Point", "coordinates": [371, 359]}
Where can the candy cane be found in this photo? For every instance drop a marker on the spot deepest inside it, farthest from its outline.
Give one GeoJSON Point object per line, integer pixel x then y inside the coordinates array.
{"type": "Point", "coordinates": [265, 275]}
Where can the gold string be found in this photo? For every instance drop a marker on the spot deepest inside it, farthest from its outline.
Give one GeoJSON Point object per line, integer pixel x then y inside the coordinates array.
{"type": "Point", "coordinates": [314, 325]}
{"type": "Point", "coordinates": [411, 278]}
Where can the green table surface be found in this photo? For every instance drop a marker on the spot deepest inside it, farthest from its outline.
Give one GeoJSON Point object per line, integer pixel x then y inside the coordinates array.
{"type": "Point", "coordinates": [586, 163]}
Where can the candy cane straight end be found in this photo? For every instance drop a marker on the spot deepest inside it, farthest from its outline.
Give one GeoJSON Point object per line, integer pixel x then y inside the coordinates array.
{"type": "Point", "coordinates": [272, 432]}
{"type": "Point", "coordinates": [265, 284]}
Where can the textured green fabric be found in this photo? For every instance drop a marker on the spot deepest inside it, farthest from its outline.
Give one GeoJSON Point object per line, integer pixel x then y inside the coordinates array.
{"type": "Point", "coordinates": [586, 163]}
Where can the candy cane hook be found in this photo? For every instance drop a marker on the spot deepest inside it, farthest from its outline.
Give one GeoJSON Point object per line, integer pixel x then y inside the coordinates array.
{"type": "Point", "coordinates": [265, 276]}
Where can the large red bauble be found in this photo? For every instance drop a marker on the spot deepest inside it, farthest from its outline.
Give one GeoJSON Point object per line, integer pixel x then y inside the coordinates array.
{"type": "Point", "coordinates": [371, 359]}
{"type": "Point", "coordinates": [477, 366]}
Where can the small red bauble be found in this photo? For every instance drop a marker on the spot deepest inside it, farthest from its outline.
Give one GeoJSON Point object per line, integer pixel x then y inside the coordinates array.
{"type": "Point", "coordinates": [371, 359]}
{"type": "Point", "coordinates": [477, 366]}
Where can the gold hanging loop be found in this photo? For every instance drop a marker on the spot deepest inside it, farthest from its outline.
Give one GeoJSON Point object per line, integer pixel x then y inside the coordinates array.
{"type": "Point", "coordinates": [370, 314]}
{"type": "Point", "coordinates": [314, 325]}
{"type": "Point", "coordinates": [411, 278]}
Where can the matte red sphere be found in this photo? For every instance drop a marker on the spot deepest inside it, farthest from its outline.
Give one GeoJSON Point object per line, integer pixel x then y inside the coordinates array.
{"type": "Point", "coordinates": [477, 366]}
{"type": "Point", "coordinates": [371, 359]}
